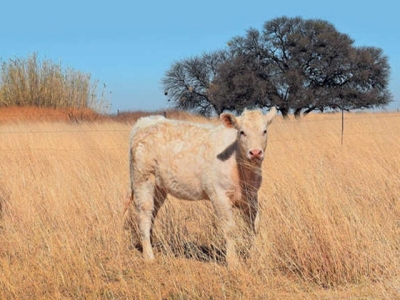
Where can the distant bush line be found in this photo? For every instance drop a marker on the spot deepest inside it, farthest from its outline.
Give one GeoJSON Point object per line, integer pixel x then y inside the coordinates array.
{"type": "Point", "coordinates": [44, 83]}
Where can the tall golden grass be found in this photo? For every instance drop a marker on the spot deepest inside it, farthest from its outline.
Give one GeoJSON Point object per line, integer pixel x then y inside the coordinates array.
{"type": "Point", "coordinates": [330, 217]}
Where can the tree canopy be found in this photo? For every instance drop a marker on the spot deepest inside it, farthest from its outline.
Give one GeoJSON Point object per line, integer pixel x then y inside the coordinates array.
{"type": "Point", "coordinates": [294, 64]}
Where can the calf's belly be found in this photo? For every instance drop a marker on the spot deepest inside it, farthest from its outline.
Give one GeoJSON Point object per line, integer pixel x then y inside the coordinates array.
{"type": "Point", "coordinates": [182, 186]}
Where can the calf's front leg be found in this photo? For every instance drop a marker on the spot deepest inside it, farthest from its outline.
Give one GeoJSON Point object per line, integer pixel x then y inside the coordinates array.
{"type": "Point", "coordinates": [251, 214]}
{"type": "Point", "coordinates": [223, 210]}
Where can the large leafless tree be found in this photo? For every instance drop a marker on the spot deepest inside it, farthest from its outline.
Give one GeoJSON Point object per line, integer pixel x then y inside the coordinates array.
{"type": "Point", "coordinates": [294, 64]}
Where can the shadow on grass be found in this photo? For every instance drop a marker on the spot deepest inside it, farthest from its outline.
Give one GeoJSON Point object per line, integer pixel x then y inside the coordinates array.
{"type": "Point", "coordinates": [190, 250]}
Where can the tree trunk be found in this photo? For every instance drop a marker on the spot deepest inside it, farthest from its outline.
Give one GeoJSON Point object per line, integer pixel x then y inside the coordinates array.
{"type": "Point", "coordinates": [284, 111]}
{"type": "Point", "coordinates": [297, 113]}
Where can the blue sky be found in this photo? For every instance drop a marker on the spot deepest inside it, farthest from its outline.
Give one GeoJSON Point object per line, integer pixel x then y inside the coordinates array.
{"type": "Point", "coordinates": [129, 45]}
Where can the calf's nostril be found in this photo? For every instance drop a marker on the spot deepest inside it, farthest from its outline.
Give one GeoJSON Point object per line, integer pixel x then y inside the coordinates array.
{"type": "Point", "coordinates": [255, 153]}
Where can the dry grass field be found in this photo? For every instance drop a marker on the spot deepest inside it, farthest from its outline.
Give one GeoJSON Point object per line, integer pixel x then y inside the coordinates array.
{"type": "Point", "coordinates": [330, 217]}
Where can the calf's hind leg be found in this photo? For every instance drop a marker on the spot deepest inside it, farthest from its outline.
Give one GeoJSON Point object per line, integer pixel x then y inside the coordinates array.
{"type": "Point", "coordinates": [159, 198]}
{"type": "Point", "coordinates": [144, 200]}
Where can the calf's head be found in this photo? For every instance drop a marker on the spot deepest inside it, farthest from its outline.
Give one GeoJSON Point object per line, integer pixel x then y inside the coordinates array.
{"type": "Point", "coordinates": [252, 128]}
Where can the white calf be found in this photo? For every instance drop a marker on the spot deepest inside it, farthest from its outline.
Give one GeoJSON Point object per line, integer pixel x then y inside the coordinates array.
{"type": "Point", "coordinates": [197, 161]}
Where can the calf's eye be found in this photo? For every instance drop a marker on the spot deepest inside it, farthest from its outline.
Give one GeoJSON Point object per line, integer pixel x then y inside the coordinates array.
{"type": "Point", "coordinates": [265, 131]}
{"type": "Point", "coordinates": [242, 133]}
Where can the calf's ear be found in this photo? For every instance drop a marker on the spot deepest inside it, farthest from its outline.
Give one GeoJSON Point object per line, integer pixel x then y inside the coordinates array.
{"type": "Point", "coordinates": [229, 120]}
{"type": "Point", "coordinates": [270, 115]}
